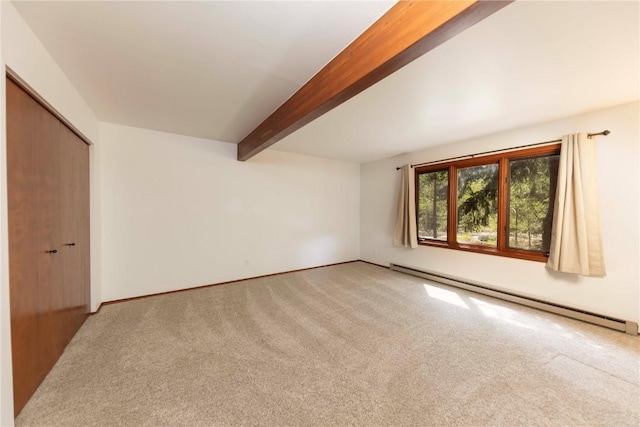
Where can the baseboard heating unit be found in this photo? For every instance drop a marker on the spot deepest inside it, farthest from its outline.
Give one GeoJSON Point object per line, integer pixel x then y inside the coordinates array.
{"type": "Point", "coordinates": [597, 319]}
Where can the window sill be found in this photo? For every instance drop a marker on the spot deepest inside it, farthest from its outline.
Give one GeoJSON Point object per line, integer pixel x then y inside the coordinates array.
{"type": "Point", "coordinates": [509, 253]}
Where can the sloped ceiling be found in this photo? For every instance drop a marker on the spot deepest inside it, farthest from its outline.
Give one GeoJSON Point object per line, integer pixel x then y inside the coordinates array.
{"type": "Point", "coordinates": [210, 69]}
{"type": "Point", "coordinates": [530, 62]}
{"type": "Point", "coordinates": [217, 69]}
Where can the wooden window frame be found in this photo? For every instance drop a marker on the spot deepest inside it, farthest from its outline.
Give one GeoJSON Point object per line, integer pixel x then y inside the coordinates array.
{"type": "Point", "coordinates": [502, 159]}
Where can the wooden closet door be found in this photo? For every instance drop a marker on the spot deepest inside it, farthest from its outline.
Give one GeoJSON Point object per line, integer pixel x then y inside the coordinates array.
{"type": "Point", "coordinates": [53, 327]}
{"type": "Point", "coordinates": [74, 163]}
{"type": "Point", "coordinates": [23, 257]}
{"type": "Point", "coordinates": [48, 205]}
{"type": "Point", "coordinates": [83, 233]}
{"type": "Point", "coordinates": [68, 205]}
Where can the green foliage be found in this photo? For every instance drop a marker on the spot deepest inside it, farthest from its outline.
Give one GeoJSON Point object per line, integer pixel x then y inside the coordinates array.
{"type": "Point", "coordinates": [432, 204]}
{"type": "Point", "coordinates": [531, 193]}
{"type": "Point", "coordinates": [478, 198]}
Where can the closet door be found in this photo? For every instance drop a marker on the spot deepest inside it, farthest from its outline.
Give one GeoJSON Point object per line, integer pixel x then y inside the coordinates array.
{"type": "Point", "coordinates": [83, 304]}
{"type": "Point", "coordinates": [74, 163]}
{"type": "Point", "coordinates": [52, 325]}
{"type": "Point", "coordinates": [68, 250]}
{"type": "Point", "coordinates": [48, 205]}
{"type": "Point", "coordinates": [23, 257]}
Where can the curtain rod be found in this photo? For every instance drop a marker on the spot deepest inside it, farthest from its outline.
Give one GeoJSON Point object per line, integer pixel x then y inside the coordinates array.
{"type": "Point", "coordinates": [471, 156]}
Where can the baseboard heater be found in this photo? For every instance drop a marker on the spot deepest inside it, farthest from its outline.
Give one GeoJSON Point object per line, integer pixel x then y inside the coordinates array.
{"type": "Point", "coordinates": [629, 327]}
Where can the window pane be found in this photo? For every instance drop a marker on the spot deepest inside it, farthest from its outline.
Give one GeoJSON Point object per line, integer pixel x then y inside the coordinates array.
{"type": "Point", "coordinates": [433, 205]}
{"type": "Point", "coordinates": [531, 195]}
{"type": "Point", "coordinates": [478, 205]}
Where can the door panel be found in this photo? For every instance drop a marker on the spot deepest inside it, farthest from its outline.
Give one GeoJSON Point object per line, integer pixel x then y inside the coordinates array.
{"type": "Point", "coordinates": [83, 233]}
{"type": "Point", "coordinates": [68, 176]}
{"type": "Point", "coordinates": [73, 222]}
{"type": "Point", "coordinates": [23, 279]}
{"type": "Point", "coordinates": [52, 325]}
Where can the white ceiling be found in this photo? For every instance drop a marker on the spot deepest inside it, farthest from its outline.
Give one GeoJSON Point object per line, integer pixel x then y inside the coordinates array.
{"type": "Point", "coordinates": [217, 69]}
{"type": "Point", "coordinates": [211, 69]}
{"type": "Point", "coordinates": [530, 62]}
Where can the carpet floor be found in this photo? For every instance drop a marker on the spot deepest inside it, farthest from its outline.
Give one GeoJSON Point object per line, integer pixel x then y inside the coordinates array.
{"type": "Point", "coordinates": [350, 344]}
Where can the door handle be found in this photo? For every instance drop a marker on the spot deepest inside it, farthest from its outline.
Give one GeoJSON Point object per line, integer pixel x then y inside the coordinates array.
{"type": "Point", "coordinates": [69, 244]}
{"type": "Point", "coordinates": [52, 251]}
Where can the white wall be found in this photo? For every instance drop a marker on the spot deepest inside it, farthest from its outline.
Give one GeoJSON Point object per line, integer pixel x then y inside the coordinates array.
{"type": "Point", "coordinates": [6, 377]}
{"type": "Point", "coordinates": [26, 56]}
{"type": "Point", "coordinates": [615, 295]}
{"type": "Point", "coordinates": [180, 212]}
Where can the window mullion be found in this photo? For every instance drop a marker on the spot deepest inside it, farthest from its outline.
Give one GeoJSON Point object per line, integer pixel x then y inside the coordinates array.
{"type": "Point", "coordinates": [452, 223]}
{"type": "Point", "coordinates": [503, 188]}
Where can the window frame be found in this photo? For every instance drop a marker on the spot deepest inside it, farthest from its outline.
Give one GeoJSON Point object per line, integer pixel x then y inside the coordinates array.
{"type": "Point", "coordinates": [502, 159]}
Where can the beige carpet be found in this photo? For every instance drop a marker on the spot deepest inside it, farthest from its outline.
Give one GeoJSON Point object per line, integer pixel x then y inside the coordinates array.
{"type": "Point", "coordinates": [352, 344]}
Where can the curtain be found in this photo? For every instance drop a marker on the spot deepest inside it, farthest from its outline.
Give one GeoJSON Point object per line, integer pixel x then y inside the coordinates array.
{"type": "Point", "coordinates": [576, 241]}
{"type": "Point", "coordinates": [405, 232]}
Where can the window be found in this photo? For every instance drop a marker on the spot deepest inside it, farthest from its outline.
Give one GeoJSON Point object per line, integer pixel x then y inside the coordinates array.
{"type": "Point", "coordinates": [532, 185]}
{"type": "Point", "coordinates": [478, 205]}
{"type": "Point", "coordinates": [499, 204]}
{"type": "Point", "coordinates": [433, 205]}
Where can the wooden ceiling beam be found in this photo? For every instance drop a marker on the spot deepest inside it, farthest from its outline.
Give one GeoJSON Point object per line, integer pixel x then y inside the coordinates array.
{"type": "Point", "coordinates": [407, 31]}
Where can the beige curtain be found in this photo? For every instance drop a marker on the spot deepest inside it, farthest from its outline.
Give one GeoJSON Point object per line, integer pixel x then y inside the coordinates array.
{"type": "Point", "coordinates": [405, 232]}
{"type": "Point", "coordinates": [576, 242]}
